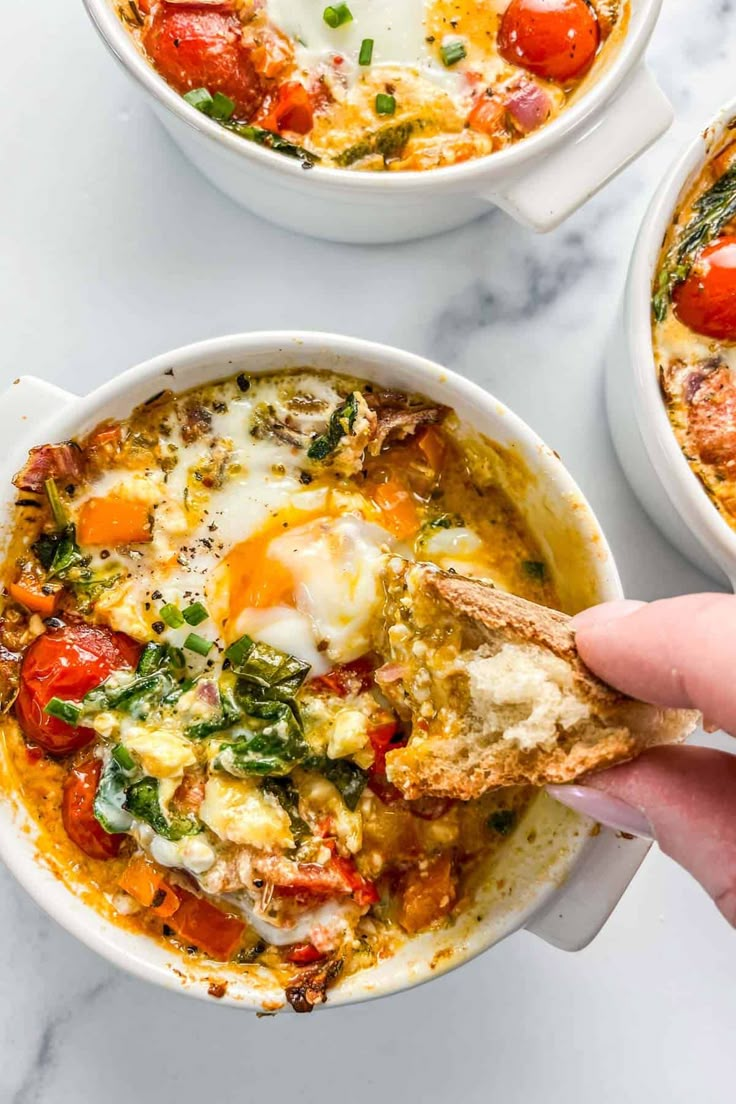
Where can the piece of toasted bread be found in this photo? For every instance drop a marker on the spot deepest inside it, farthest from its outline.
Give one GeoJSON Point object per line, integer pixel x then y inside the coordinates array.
{"type": "Point", "coordinates": [496, 692]}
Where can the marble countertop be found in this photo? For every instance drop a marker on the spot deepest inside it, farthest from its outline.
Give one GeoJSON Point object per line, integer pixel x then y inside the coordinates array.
{"type": "Point", "coordinates": [113, 249]}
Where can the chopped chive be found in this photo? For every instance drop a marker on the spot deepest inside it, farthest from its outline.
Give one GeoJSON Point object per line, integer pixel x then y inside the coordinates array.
{"type": "Point", "coordinates": [123, 758]}
{"type": "Point", "coordinates": [194, 614]}
{"type": "Point", "coordinates": [171, 615]}
{"type": "Point", "coordinates": [57, 509]}
{"type": "Point", "coordinates": [453, 52]}
{"type": "Point", "coordinates": [67, 711]}
{"type": "Point", "coordinates": [222, 107]}
{"type": "Point", "coordinates": [336, 15]}
{"type": "Point", "coordinates": [385, 104]}
{"type": "Point", "coordinates": [365, 57]}
{"type": "Point", "coordinates": [199, 98]}
{"type": "Point", "coordinates": [198, 644]}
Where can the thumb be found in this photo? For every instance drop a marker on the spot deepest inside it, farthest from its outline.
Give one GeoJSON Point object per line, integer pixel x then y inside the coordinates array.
{"type": "Point", "coordinates": [685, 798]}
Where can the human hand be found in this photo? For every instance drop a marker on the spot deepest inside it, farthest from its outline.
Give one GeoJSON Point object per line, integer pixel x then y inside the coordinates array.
{"type": "Point", "coordinates": [678, 652]}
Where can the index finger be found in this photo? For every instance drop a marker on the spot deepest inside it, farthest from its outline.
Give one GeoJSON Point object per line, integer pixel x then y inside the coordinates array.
{"type": "Point", "coordinates": [676, 652]}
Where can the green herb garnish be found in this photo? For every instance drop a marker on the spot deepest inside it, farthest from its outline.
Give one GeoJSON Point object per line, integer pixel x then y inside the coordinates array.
{"type": "Point", "coordinates": [172, 616]}
{"type": "Point", "coordinates": [142, 801]}
{"type": "Point", "coordinates": [385, 104]}
{"type": "Point", "coordinates": [195, 614]}
{"type": "Point", "coordinates": [196, 643]}
{"type": "Point", "coordinates": [711, 212]}
{"type": "Point", "coordinates": [535, 569]}
{"type": "Point", "coordinates": [337, 14]}
{"type": "Point", "coordinates": [365, 57]}
{"type": "Point", "coordinates": [287, 795]}
{"type": "Point", "coordinates": [340, 424]}
{"type": "Point", "coordinates": [452, 53]}
{"type": "Point", "coordinates": [67, 711]}
{"type": "Point", "coordinates": [218, 107]}
{"type": "Point", "coordinates": [345, 776]}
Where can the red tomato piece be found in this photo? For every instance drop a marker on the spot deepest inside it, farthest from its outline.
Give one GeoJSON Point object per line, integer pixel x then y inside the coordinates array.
{"type": "Point", "coordinates": [77, 812]}
{"type": "Point", "coordinates": [338, 877]}
{"type": "Point", "coordinates": [202, 47]}
{"type": "Point", "coordinates": [292, 110]}
{"type": "Point", "coordinates": [555, 39]}
{"type": "Point", "coordinates": [303, 954]}
{"type": "Point", "coordinates": [347, 678]}
{"type": "Point", "coordinates": [215, 932]}
{"type": "Point", "coordinates": [66, 663]}
{"type": "Point", "coordinates": [706, 301]}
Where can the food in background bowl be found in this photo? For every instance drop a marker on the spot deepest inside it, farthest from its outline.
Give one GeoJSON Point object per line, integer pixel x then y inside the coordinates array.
{"type": "Point", "coordinates": [192, 599]}
{"type": "Point", "coordinates": [694, 329]}
{"type": "Point", "coordinates": [376, 86]}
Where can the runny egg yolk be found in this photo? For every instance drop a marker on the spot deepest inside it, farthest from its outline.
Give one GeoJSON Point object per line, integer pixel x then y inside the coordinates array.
{"type": "Point", "coordinates": [319, 575]}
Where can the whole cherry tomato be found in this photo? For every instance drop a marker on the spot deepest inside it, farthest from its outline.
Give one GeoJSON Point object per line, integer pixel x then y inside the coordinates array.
{"type": "Point", "coordinates": [706, 300]}
{"type": "Point", "coordinates": [555, 39]}
{"type": "Point", "coordinates": [66, 663]}
{"type": "Point", "coordinates": [202, 47]}
{"type": "Point", "coordinates": [77, 812]}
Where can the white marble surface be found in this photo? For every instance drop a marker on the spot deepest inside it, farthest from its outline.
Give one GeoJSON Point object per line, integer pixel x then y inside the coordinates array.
{"type": "Point", "coordinates": [114, 249]}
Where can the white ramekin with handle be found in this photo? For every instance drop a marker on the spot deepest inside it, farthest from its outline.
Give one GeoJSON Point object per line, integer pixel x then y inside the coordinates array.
{"type": "Point", "coordinates": [539, 182]}
{"type": "Point", "coordinates": [562, 877]}
{"type": "Point", "coordinates": [650, 455]}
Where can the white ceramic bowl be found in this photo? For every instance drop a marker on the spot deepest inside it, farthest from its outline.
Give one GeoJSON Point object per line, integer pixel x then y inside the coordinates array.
{"type": "Point", "coordinates": [539, 182]}
{"type": "Point", "coordinates": [563, 886]}
{"type": "Point", "coordinates": [648, 450]}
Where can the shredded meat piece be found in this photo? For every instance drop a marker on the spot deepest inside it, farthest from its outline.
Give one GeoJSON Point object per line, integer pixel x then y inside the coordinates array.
{"type": "Point", "coordinates": [65, 461]}
{"type": "Point", "coordinates": [310, 985]}
{"type": "Point", "coordinates": [197, 422]}
{"type": "Point", "coordinates": [397, 420]}
{"type": "Point", "coordinates": [711, 398]}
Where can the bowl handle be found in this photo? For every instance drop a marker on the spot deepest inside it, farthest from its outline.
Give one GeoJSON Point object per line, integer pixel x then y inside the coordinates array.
{"type": "Point", "coordinates": [575, 914]}
{"type": "Point", "coordinates": [551, 191]}
{"type": "Point", "coordinates": [27, 403]}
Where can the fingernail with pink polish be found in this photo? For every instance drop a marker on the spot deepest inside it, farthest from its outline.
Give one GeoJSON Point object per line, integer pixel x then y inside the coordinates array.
{"type": "Point", "coordinates": [607, 810]}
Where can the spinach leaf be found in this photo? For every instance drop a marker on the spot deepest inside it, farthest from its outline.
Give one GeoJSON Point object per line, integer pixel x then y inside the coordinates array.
{"type": "Point", "coordinates": [273, 750]}
{"type": "Point", "coordinates": [287, 795]}
{"type": "Point", "coordinates": [711, 212]}
{"type": "Point", "coordinates": [229, 714]}
{"type": "Point", "coordinates": [266, 668]}
{"type": "Point", "coordinates": [340, 424]}
{"type": "Point", "coordinates": [345, 776]}
{"type": "Point", "coordinates": [142, 801]}
{"type": "Point", "coordinates": [271, 140]}
{"type": "Point", "coordinates": [389, 142]}
{"type": "Point", "coordinates": [109, 803]}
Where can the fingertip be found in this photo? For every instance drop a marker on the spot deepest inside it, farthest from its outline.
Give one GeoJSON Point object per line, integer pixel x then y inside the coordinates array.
{"type": "Point", "coordinates": [604, 614]}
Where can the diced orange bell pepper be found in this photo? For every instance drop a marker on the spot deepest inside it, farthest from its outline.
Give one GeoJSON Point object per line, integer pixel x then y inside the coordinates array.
{"type": "Point", "coordinates": [487, 115]}
{"type": "Point", "coordinates": [30, 593]}
{"type": "Point", "coordinates": [144, 883]}
{"type": "Point", "coordinates": [428, 895]}
{"type": "Point", "coordinates": [198, 922]}
{"type": "Point", "coordinates": [397, 506]}
{"type": "Point", "coordinates": [114, 521]}
{"type": "Point", "coordinates": [433, 446]}
{"type": "Point", "coordinates": [293, 110]}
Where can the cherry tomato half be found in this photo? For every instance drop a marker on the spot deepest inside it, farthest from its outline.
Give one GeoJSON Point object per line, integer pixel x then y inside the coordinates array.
{"type": "Point", "coordinates": [66, 663]}
{"type": "Point", "coordinates": [706, 301]}
{"type": "Point", "coordinates": [202, 47]}
{"type": "Point", "coordinates": [77, 812]}
{"type": "Point", "coordinates": [555, 39]}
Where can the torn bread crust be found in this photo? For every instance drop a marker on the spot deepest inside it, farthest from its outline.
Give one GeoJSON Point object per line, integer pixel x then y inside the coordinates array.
{"type": "Point", "coordinates": [496, 692]}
